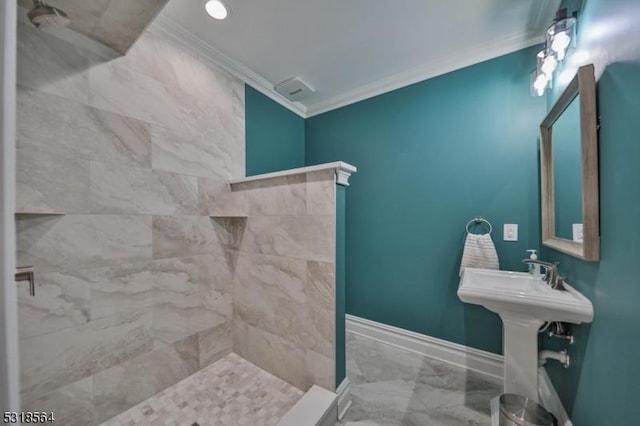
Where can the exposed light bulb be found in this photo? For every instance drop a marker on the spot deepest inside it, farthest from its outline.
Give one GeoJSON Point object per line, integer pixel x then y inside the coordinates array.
{"type": "Point", "coordinates": [560, 43]}
{"type": "Point", "coordinates": [549, 65]}
{"type": "Point", "coordinates": [540, 84]}
{"type": "Point", "coordinates": [216, 9]}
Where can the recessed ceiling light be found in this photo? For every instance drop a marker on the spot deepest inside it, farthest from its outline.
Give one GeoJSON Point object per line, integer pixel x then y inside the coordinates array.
{"type": "Point", "coordinates": [216, 9]}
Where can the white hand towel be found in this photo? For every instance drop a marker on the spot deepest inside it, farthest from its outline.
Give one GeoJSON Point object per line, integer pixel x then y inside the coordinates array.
{"type": "Point", "coordinates": [479, 252]}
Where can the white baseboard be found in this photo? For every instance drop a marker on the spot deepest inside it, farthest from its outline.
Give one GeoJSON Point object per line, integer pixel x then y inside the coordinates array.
{"type": "Point", "coordinates": [344, 397]}
{"type": "Point", "coordinates": [482, 362]}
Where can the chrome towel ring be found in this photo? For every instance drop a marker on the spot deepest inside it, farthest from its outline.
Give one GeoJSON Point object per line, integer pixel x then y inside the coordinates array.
{"type": "Point", "coordinates": [476, 221]}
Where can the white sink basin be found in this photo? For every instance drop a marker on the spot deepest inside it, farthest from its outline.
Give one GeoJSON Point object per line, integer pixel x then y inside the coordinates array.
{"type": "Point", "coordinates": [523, 294]}
{"type": "Point", "coordinates": [524, 302]}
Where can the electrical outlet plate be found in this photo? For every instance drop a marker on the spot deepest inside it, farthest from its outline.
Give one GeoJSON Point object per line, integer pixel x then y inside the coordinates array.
{"type": "Point", "coordinates": [577, 233]}
{"type": "Point", "coordinates": [511, 232]}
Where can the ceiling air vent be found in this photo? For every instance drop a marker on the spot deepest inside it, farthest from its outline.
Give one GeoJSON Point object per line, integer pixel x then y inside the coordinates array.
{"type": "Point", "coordinates": [294, 89]}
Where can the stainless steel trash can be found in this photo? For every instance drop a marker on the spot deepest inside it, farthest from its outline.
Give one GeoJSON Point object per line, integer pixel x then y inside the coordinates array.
{"type": "Point", "coordinates": [516, 410]}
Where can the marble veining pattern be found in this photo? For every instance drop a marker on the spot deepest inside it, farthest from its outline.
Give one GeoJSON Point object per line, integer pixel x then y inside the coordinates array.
{"type": "Point", "coordinates": [393, 387]}
{"type": "Point", "coordinates": [271, 352]}
{"type": "Point", "coordinates": [230, 392]}
{"type": "Point", "coordinates": [195, 155]}
{"type": "Point", "coordinates": [122, 189]}
{"type": "Point", "coordinates": [284, 291]}
{"type": "Point", "coordinates": [134, 285]}
{"type": "Point", "coordinates": [302, 236]}
{"type": "Point", "coordinates": [285, 195]}
{"type": "Point", "coordinates": [139, 286]}
{"type": "Point", "coordinates": [51, 183]}
{"type": "Point", "coordinates": [126, 384]}
{"type": "Point", "coordinates": [64, 301]}
{"type": "Point", "coordinates": [45, 121]}
{"type": "Point", "coordinates": [71, 242]}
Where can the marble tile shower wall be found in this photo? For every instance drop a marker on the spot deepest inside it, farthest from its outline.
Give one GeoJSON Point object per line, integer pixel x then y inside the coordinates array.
{"type": "Point", "coordinates": [284, 290]}
{"type": "Point", "coordinates": [119, 164]}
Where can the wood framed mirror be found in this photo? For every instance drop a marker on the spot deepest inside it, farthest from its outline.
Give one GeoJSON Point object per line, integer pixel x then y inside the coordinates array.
{"type": "Point", "coordinates": [569, 170]}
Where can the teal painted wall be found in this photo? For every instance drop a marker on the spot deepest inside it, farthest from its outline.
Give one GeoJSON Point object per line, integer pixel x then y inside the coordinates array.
{"type": "Point", "coordinates": [567, 170]}
{"type": "Point", "coordinates": [274, 135]}
{"type": "Point", "coordinates": [341, 361]}
{"type": "Point", "coordinates": [602, 385]}
{"type": "Point", "coordinates": [431, 156]}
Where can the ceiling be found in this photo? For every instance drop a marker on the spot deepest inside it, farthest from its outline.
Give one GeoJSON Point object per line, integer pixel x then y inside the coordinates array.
{"type": "Point", "coordinates": [349, 50]}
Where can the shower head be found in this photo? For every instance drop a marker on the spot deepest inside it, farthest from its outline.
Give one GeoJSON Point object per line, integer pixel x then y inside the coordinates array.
{"type": "Point", "coordinates": [44, 16]}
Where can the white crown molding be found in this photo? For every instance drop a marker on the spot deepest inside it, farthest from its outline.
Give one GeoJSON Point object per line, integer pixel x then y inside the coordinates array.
{"type": "Point", "coordinates": [343, 171]}
{"type": "Point", "coordinates": [415, 75]}
{"type": "Point", "coordinates": [542, 13]}
{"type": "Point", "coordinates": [203, 49]}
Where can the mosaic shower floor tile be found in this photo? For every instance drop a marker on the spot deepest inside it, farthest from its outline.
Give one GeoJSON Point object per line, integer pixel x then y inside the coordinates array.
{"type": "Point", "coordinates": [230, 392]}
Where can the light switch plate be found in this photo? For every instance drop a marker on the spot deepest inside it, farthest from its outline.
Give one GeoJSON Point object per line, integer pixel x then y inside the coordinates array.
{"type": "Point", "coordinates": [577, 232]}
{"type": "Point", "coordinates": [511, 232]}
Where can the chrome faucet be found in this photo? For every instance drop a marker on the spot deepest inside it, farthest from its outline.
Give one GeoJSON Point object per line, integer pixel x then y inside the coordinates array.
{"type": "Point", "coordinates": [551, 276]}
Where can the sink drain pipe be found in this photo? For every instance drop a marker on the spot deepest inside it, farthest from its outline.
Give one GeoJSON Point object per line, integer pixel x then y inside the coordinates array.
{"type": "Point", "coordinates": [562, 357]}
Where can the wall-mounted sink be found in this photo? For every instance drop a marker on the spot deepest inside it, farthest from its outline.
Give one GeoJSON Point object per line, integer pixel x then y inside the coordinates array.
{"type": "Point", "coordinates": [524, 294]}
{"type": "Point", "coordinates": [524, 302]}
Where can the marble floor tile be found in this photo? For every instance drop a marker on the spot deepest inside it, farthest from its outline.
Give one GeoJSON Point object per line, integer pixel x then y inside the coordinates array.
{"type": "Point", "coordinates": [393, 387]}
{"type": "Point", "coordinates": [229, 392]}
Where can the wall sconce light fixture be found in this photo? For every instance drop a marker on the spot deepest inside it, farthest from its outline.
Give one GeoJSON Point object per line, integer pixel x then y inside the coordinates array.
{"type": "Point", "coordinates": [560, 36]}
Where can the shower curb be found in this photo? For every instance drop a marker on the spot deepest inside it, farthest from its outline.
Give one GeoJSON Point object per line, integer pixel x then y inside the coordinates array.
{"type": "Point", "coordinates": [317, 407]}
